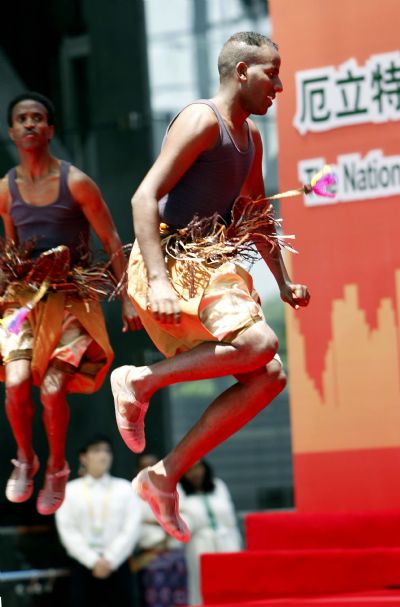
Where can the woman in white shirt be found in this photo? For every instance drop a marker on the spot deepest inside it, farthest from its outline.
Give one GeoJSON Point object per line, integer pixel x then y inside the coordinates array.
{"type": "Point", "coordinates": [207, 507]}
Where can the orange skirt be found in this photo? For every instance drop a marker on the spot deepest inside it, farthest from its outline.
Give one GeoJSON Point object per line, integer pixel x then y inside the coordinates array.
{"type": "Point", "coordinates": [47, 324]}
{"type": "Point", "coordinates": [217, 303]}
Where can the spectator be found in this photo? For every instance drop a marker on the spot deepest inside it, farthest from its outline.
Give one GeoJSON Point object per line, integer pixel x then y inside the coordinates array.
{"type": "Point", "coordinates": [159, 561]}
{"type": "Point", "coordinates": [99, 525]}
{"type": "Point", "coordinates": [209, 511]}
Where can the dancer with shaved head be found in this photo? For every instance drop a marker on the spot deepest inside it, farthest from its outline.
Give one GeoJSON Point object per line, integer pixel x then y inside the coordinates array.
{"type": "Point", "coordinates": [194, 299]}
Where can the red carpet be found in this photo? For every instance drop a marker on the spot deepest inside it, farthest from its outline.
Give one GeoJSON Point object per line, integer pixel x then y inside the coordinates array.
{"type": "Point", "coordinates": [388, 598]}
{"type": "Point", "coordinates": [295, 559]}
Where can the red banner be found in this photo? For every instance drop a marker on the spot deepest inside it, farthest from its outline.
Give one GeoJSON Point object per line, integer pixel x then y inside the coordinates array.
{"type": "Point", "coordinates": [341, 106]}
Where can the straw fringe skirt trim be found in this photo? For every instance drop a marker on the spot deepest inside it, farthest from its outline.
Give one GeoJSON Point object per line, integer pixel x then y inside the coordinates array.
{"type": "Point", "coordinates": [217, 303]}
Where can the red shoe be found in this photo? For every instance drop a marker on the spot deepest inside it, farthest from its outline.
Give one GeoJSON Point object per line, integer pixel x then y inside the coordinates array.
{"type": "Point", "coordinates": [125, 404]}
{"type": "Point", "coordinates": [165, 506]}
{"type": "Point", "coordinates": [52, 495]}
{"type": "Point", "coordinates": [19, 486]}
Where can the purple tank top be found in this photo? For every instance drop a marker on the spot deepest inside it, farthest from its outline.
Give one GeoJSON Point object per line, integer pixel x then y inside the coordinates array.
{"type": "Point", "coordinates": [213, 181]}
{"type": "Point", "coordinates": [61, 222]}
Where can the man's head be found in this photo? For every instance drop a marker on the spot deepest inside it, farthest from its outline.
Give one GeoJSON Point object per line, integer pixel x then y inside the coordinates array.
{"type": "Point", "coordinates": [250, 62]}
{"type": "Point", "coordinates": [96, 456]}
{"type": "Point", "coordinates": [30, 118]}
{"type": "Point", "coordinates": [32, 96]}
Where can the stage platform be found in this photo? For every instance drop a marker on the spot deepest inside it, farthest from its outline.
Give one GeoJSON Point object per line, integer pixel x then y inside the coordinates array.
{"type": "Point", "coordinates": [296, 559]}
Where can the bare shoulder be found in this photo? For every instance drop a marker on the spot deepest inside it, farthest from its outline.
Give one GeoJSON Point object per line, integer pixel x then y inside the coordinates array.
{"type": "Point", "coordinates": [195, 130]}
{"type": "Point", "coordinates": [255, 133]}
{"type": "Point", "coordinates": [77, 177]}
{"type": "Point", "coordinates": [4, 185]}
{"type": "Point", "coordinates": [5, 197]}
{"type": "Point", "coordinates": [196, 119]}
{"type": "Point", "coordinates": [80, 184]}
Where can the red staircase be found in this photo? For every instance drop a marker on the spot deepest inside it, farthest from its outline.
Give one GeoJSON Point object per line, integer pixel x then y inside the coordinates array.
{"type": "Point", "coordinates": [299, 560]}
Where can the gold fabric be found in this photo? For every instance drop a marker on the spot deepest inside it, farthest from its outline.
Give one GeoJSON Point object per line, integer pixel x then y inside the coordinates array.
{"type": "Point", "coordinates": [63, 330]}
{"type": "Point", "coordinates": [217, 303]}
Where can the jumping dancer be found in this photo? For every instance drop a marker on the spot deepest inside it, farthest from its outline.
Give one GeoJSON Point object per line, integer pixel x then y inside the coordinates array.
{"type": "Point", "coordinates": [195, 302]}
{"type": "Point", "coordinates": [62, 346]}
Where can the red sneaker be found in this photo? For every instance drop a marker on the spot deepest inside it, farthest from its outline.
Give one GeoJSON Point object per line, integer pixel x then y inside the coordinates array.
{"type": "Point", "coordinates": [165, 506]}
{"type": "Point", "coordinates": [19, 486]}
{"type": "Point", "coordinates": [126, 405]}
{"type": "Point", "coordinates": [52, 495]}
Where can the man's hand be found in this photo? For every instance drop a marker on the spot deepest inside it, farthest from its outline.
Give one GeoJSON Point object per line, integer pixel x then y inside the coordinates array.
{"type": "Point", "coordinates": [162, 301]}
{"type": "Point", "coordinates": [102, 568]}
{"type": "Point", "coordinates": [130, 318]}
{"type": "Point", "coordinates": [295, 295]}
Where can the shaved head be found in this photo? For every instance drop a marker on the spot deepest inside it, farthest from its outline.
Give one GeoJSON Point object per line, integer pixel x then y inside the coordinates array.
{"type": "Point", "coordinates": [243, 46]}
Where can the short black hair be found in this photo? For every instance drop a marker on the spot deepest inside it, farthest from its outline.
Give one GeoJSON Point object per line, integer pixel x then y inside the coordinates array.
{"type": "Point", "coordinates": [241, 46]}
{"type": "Point", "coordinates": [34, 96]}
{"type": "Point", "coordinates": [96, 439]}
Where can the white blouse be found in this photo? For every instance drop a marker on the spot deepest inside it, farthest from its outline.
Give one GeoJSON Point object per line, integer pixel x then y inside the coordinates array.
{"type": "Point", "coordinates": [212, 521]}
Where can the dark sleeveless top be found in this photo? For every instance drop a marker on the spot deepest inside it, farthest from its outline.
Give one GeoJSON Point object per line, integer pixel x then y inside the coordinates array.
{"type": "Point", "coordinates": [213, 181]}
{"type": "Point", "coordinates": [61, 222]}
